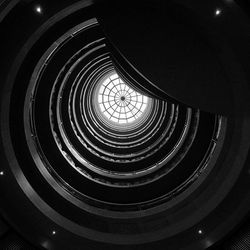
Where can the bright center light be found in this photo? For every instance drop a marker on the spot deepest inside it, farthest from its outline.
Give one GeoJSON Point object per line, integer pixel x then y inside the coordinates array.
{"type": "Point", "coordinates": [38, 9]}
{"type": "Point", "coordinates": [217, 12]}
{"type": "Point", "coordinates": [120, 103]}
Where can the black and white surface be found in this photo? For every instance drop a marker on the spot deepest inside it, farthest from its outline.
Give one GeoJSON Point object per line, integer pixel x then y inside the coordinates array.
{"type": "Point", "coordinates": [124, 130]}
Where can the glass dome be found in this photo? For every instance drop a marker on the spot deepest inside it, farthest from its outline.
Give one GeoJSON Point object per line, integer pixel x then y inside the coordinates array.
{"type": "Point", "coordinates": [118, 102]}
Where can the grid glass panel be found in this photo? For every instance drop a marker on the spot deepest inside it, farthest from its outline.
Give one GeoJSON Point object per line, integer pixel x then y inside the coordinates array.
{"type": "Point", "coordinates": [120, 103]}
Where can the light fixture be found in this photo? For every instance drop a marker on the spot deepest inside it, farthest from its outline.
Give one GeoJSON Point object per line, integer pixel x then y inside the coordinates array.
{"type": "Point", "coordinates": [217, 12]}
{"type": "Point", "coordinates": [38, 9]}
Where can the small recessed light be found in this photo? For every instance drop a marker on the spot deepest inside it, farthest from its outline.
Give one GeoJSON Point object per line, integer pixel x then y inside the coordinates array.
{"type": "Point", "coordinates": [38, 9]}
{"type": "Point", "coordinates": [53, 232]}
{"type": "Point", "coordinates": [200, 232]}
{"type": "Point", "coordinates": [1, 172]}
{"type": "Point", "coordinates": [217, 12]}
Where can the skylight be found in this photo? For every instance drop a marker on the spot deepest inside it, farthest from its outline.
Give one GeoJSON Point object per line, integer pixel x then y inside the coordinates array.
{"type": "Point", "coordinates": [120, 103]}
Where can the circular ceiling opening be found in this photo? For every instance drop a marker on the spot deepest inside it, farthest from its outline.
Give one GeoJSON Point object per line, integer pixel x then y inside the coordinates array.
{"type": "Point", "coordinates": [119, 103]}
